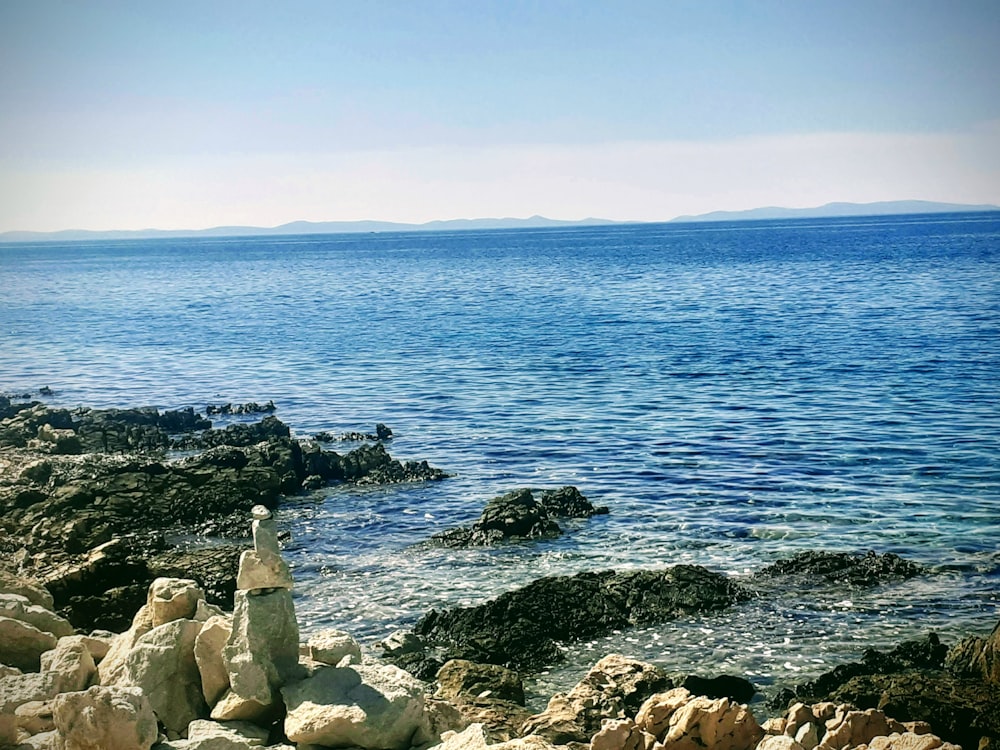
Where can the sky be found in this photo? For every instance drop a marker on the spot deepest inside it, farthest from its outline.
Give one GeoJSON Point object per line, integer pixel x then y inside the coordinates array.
{"type": "Point", "coordinates": [130, 115]}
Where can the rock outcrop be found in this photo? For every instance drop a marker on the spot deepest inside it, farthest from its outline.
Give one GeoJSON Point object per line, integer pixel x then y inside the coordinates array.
{"type": "Point", "coordinates": [843, 568]}
{"type": "Point", "coordinates": [517, 515]}
{"type": "Point", "coordinates": [522, 629]}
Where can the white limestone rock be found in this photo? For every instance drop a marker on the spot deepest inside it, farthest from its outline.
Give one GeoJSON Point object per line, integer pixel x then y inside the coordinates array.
{"type": "Point", "coordinates": [20, 608]}
{"type": "Point", "coordinates": [779, 742]}
{"type": "Point", "coordinates": [35, 717]}
{"type": "Point", "coordinates": [331, 646]}
{"type": "Point", "coordinates": [204, 611]}
{"type": "Point", "coordinates": [173, 599]}
{"type": "Point", "coordinates": [162, 664]}
{"type": "Point", "coordinates": [255, 573]}
{"type": "Point", "coordinates": [212, 638]}
{"type": "Point", "coordinates": [231, 707]}
{"type": "Point", "coordinates": [22, 644]}
{"type": "Point", "coordinates": [473, 737]}
{"type": "Point", "coordinates": [262, 653]}
{"type": "Point", "coordinates": [379, 707]}
{"type": "Point", "coordinates": [72, 664]}
{"type": "Point", "coordinates": [213, 735]}
{"type": "Point", "coordinates": [105, 718]}
{"type": "Point", "coordinates": [35, 592]}
{"type": "Point", "coordinates": [112, 665]}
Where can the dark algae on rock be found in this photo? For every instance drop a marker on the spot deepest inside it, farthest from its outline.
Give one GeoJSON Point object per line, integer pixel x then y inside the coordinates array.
{"type": "Point", "coordinates": [518, 515]}
{"type": "Point", "coordinates": [87, 497]}
{"type": "Point", "coordinates": [522, 629]}
{"type": "Point", "coordinates": [852, 569]}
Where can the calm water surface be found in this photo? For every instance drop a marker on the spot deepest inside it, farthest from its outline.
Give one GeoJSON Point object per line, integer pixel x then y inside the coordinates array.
{"type": "Point", "coordinates": [734, 392]}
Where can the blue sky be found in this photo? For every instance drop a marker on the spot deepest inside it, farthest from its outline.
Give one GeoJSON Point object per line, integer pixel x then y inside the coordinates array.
{"type": "Point", "coordinates": [184, 114]}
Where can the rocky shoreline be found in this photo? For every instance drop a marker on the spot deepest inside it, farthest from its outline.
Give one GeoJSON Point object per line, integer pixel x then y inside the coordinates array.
{"type": "Point", "coordinates": [103, 616]}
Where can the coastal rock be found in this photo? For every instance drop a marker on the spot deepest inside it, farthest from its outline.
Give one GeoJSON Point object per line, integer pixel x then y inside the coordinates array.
{"type": "Point", "coordinates": [20, 608]}
{"type": "Point", "coordinates": [976, 658]}
{"type": "Point", "coordinates": [33, 591]}
{"type": "Point", "coordinates": [473, 737]}
{"type": "Point", "coordinates": [521, 629]}
{"type": "Point", "coordinates": [331, 646]}
{"type": "Point", "coordinates": [213, 735]}
{"type": "Point", "coordinates": [779, 742]}
{"type": "Point", "coordinates": [484, 694]}
{"type": "Point", "coordinates": [621, 734]}
{"type": "Point", "coordinates": [366, 706]}
{"type": "Point", "coordinates": [231, 707]}
{"type": "Point", "coordinates": [262, 653]}
{"type": "Point", "coordinates": [255, 573]}
{"type": "Point", "coordinates": [22, 645]}
{"type": "Point", "coordinates": [251, 407]}
{"type": "Point", "coordinates": [614, 688]}
{"type": "Point", "coordinates": [843, 568]}
{"type": "Point", "coordinates": [163, 665]}
{"type": "Point", "coordinates": [112, 666]}
{"type": "Point", "coordinates": [35, 717]}
{"type": "Point", "coordinates": [17, 690]}
{"type": "Point", "coordinates": [72, 664]}
{"type": "Point", "coordinates": [698, 722]}
{"type": "Point", "coordinates": [212, 638]}
{"type": "Point", "coordinates": [518, 515]}
{"type": "Point", "coordinates": [105, 718]}
{"type": "Point", "coordinates": [173, 599]}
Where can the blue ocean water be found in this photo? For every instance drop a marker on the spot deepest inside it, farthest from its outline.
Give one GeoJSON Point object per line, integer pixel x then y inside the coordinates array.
{"type": "Point", "coordinates": [734, 392]}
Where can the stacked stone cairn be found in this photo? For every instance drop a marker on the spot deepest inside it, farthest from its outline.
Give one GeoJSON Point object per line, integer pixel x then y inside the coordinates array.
{"type": "Point", "coordinates": [188, 676]}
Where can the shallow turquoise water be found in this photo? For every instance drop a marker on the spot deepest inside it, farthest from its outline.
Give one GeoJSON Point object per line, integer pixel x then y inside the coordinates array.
{"type": "Point", "coordinates": [733, 392]}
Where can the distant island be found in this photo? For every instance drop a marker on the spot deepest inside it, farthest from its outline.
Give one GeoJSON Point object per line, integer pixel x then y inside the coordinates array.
{"type": "Point", "coordinates": [302, 227]}
{"type": "Point", "coordinates": [884, 208]}
{"type": "Point", "coordinates": [830, 210]}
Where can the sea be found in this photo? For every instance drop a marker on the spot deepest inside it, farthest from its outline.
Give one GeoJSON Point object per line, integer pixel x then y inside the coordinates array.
{"type": "Point", "coordinates": [734, 392]}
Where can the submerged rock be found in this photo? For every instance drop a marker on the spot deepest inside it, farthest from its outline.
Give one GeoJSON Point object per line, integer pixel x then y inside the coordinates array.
{"type": "Point", "coordinates": [844, 568]}
{"type": "Point", "coordinates": [518, 515]}
{"type": "Point", "coordinates": [521, 629]}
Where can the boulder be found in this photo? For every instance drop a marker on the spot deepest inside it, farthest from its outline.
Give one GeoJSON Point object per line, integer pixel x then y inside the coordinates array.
{"type": "Point", "coordinates": [779, 742]}
{"type": "Point", "coordinates": [71, 662]}
{"type": "Point", "coordinates": [112, 665]}
{"type": "Point", "coordinates": [976, 658]}
{"type": "Point", "coordinates": [33, 591]}
{"type": "Point", "coordinates": [621, 734]}
{"type": "Point", "coordinates": [733, 687]}
{"type": "Point", "coordinates": [485, 694]}
{"type": "Point", "coordinates": [255, 573]}
{"type": "Point", "coordinates": [213, 735]}
{"type": "Point", "coordinates": [15, 691]}
{"type": "Point", "coordinates": [698, 722]}
{"type": "Point", "coordinates": [262, 653]}
{"type": "Point", "coordinates": [331, 646]}
{"type": "Point", "coordinates": [35, 717]}
{"type": "Point", "coordinates": [212, 638]}
{"type": "Point", "coordinates": [21, 644]}
{"type": "Point", "coordinates": [163, 665]}
{"type": "Point", "coordinates": [614, 688]}
{"type": "Point", "coordinates": [173, 599]}
{"type": "Point", "coordinates": [231, 707]}
{"type": "Point", "coordinates": [367, 706]}
{"type": "Point", "coordinates": [473, 737]}
{"type": "Point", "coordinates": [20, 608]}
{"type": "Point", "coordinates": [569, 502]}
{"type": "Point", "coordinates": [105, 718]}
{"type": "Point", "coordinates": [516, 515]}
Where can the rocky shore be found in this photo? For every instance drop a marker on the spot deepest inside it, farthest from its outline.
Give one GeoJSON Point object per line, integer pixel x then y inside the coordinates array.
{"type": "Point", "coordinates": [113, 637]}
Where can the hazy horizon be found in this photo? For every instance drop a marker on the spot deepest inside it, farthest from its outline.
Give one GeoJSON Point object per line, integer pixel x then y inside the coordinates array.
{"type": "Point", "coordinates": [125, 116]}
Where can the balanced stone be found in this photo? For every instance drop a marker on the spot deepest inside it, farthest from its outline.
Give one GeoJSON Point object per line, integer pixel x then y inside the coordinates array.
{"type": "Point", "coordinates": [263, 567]}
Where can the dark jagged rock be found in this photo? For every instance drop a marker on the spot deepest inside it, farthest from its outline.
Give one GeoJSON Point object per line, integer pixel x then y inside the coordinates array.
{"type": "Point", "coordinates": [976, 658]}
{"type": "Point", "coordinates": [735, 688]}
{"type": "Point", "coordinates": [236, 435]}
{"type": "Point", "coordinates": [959, 711]}
{"type": "Point", "coordinates": [518, 515]}
{"type": "Point", "coordinates": [522, 629]}
{"type": "Point", "coordinates": [569, 502]}
{"type": "Point", "coordinates": [251, 407]}
{"type": "Point", "coordinates": [381, 433]}
{"type": "Point", "coordinates": [63, 432]}
{"type": "Point", "coordinates": [844, 568]}
{"type": "Point", "coordinates": [485, 693]}
{"type": "Point", "coordinates": [910, 683]}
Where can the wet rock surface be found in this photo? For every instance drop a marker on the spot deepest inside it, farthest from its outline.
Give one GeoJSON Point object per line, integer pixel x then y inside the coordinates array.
{"type": "Point", "coordinates": [522, 629]}
{"type": "Point", "coordinates": [89, 497]}
{"type": "Point", "coordinates": [918, 680]}
{"type": "Point", "coordinates": [843, 568]}
{"type": "Point", "coordinates": [518, 515]}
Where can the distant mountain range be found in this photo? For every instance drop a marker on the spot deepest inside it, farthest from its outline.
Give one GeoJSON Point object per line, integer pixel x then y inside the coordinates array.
{"type": "Point", "coordinates": [884, 208]}
{"type": "Point", "coordinates": [301, 227]}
